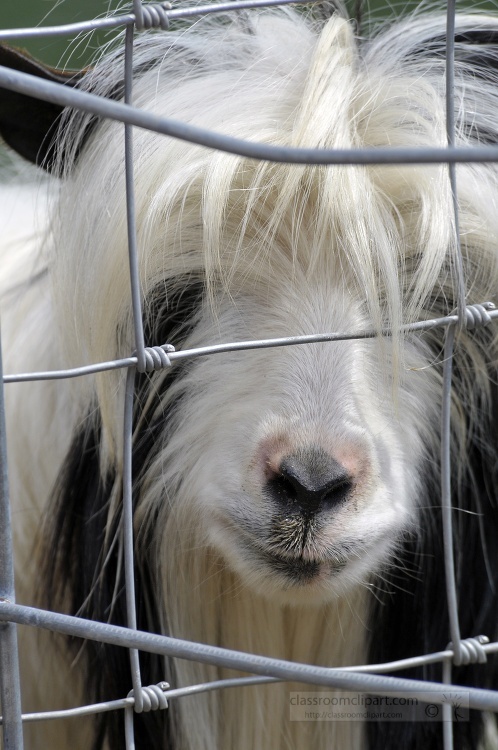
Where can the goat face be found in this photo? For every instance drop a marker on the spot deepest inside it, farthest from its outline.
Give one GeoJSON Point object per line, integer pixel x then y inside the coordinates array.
{"type": "Point", "coordinates": [310, 472]}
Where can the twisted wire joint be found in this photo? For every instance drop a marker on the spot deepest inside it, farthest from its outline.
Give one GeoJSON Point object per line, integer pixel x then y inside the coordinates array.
{"type": "Point", "coordinates": [471, 651]}
{"type": "Point", "coordinates": [151, 16]}
{"type": "Point", "coordinates": [478, 315]}
{"type": "Point", "coordinates": [156, 357]}
{"type": "Point", "coordinates": [153, 697]}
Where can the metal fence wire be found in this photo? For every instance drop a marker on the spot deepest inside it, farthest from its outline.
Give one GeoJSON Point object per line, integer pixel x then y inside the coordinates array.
{"type": "Point", "coordinates": [368, 679]}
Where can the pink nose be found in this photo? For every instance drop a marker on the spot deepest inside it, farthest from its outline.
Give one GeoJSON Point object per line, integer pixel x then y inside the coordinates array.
{"type": "Point", "coordinates": [307, 481]}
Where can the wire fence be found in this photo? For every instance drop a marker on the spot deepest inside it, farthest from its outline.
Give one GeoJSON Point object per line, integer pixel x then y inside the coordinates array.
{"type": "Point", "coordinates": [369, 678]}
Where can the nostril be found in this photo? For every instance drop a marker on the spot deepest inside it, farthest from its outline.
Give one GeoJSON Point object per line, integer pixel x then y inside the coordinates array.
{"type": "Point", "coordinates": [284, 489]}
{"type": "Point", "coordinates": [309, 480]}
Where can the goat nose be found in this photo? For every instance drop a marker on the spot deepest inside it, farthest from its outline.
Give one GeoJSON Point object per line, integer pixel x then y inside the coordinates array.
{"type": "Point", "coordinates": [308, 481]}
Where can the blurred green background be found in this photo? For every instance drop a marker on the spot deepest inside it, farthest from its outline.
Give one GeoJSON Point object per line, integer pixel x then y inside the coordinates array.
{"type": "Point", "coordinates": [61, 51]}
{"type": "Point", "coordinates": [56, 50]}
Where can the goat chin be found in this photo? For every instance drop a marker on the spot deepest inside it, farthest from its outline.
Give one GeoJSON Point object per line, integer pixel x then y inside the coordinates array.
{"type": "Point", "coordinates": [286, 500]}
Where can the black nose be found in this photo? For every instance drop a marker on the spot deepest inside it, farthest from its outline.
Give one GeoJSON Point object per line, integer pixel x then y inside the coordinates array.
{"type": "Point", "coordinates": [309, 480]}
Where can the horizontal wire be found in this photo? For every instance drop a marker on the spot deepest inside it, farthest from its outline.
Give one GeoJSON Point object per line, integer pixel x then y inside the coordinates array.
{"type": "Point", "coordinates": [57, 93]}
{"type": "Point", "coordinates": [317, 338]}
{"type": "Point", "coordinates": [129, 18]}
{"type": "Point", "coordinates": [367, 682]}
{"type": "Point", "coordinates": [122, 703]}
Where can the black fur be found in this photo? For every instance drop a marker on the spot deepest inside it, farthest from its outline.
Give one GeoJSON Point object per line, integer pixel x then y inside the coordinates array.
{"type": "Point", "coordinates": [412, 617]}
{"type": "Point", "coordinates": [35, 128]}
{"type": "Point", "coordinates": [476, 48]}
{"type": "Point", "coordinates": [86, 578]}
{"type": "Point", "coordinates": [30, 126]}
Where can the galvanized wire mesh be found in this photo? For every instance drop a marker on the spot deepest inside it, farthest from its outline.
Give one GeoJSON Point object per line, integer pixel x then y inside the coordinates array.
{"type": "Point", "coordinates": [367, 678]}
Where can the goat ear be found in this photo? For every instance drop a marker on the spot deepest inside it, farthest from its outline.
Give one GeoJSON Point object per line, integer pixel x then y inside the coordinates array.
{"type": "Point", "coordinates": [29, 125]}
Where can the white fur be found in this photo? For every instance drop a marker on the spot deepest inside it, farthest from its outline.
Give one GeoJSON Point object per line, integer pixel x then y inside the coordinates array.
{"type": "Point", "coordinates": [285, 250]}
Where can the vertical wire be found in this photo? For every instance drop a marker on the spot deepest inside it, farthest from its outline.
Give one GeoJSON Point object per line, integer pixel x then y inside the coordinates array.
{"type": "Point", "coordinates": [131, 612]}
{"type": "Point", "coordinates": [449, 344]}
{"type": "Point", "coordinates": [138, 13]}
{"type": "Point", "coordinates": [130, 380]}
{"type": "Point", "coordinates": [450, 135]}
{"type": "Point", "coordinates": [129, 733]}
{"type": "Point", "coordinates": [10, 686]}
{"type": "Point", "coordinates": [130, 209]}
{"type": "Point", "coordinates": [449, 564]}
{"type": "Point", "coordinates": [447, 709]}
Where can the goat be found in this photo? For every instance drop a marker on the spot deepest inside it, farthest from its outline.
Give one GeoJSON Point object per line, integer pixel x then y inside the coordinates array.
{"type": "Point", "coordinates": [286, 501]}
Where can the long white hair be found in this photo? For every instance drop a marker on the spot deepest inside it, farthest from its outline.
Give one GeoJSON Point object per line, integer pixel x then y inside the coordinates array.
{"type": "Point", "coordinates": [286, 500]}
